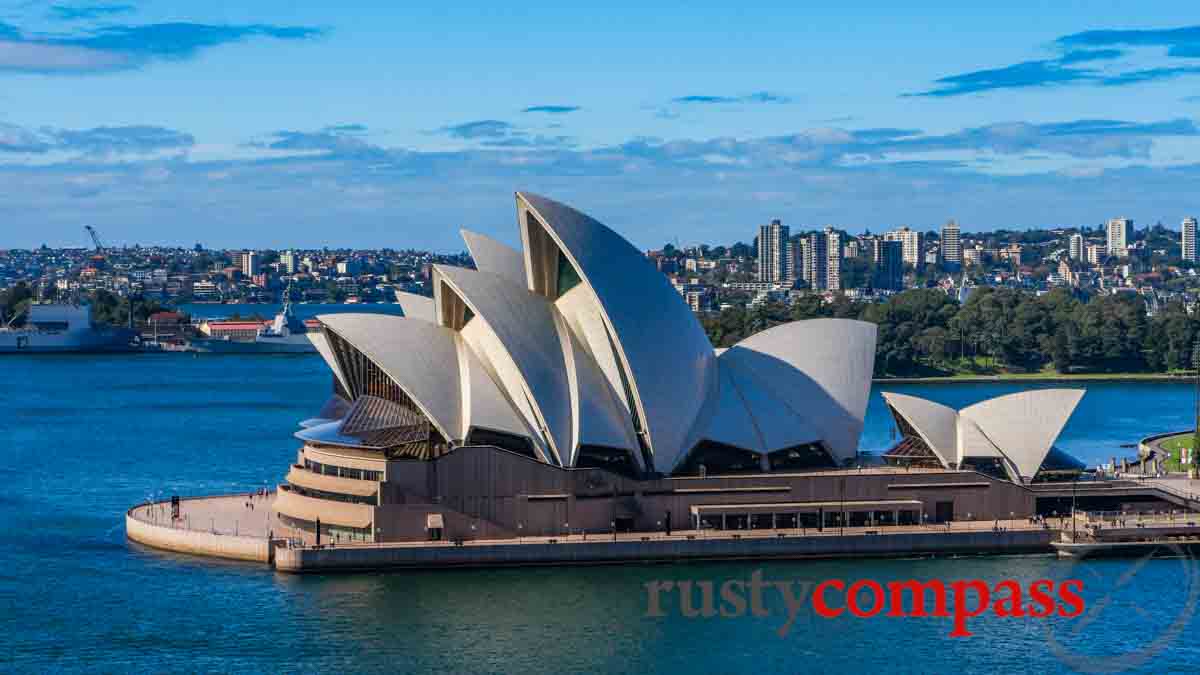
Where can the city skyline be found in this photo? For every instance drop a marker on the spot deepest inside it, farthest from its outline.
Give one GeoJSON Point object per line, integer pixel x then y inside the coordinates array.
{"type": "Point", "coordinates": [272, 124]}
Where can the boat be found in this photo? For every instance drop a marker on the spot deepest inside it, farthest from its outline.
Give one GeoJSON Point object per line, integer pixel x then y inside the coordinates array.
{"type": "Point", "coordinates": [64, 328]}
{"type": "Point", "coordinates": [284, 335]}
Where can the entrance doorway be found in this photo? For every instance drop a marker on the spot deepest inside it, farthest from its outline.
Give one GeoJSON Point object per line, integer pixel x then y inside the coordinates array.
{"type": "Point", "coordinates": [943, 512]}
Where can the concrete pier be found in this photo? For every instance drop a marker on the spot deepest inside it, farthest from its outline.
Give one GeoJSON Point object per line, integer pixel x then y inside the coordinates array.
{"type": "Point", "coordinates": [236, 527]}
{"type": "Point", "coordinates": [1096, 535]}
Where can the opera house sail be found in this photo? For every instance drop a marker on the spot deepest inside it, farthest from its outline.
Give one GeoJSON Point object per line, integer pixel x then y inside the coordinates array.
{"type": "Point", "coordinates": [1008, 436]}
{"type": "Point", "coordinates": [568, 382]}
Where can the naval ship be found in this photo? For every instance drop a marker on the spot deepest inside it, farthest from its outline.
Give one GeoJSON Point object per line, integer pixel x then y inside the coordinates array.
{"type": "Point", "coordinates": [284, 335]}
{"type": "Point", "coordinates": [62, 328]}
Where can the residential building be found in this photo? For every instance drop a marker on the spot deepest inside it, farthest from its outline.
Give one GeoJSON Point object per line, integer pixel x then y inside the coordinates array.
{"type": "Point", "coordinates": [1076, 247]}
{"type": "Point", "coordinates": [950, 245]}
{"type": "Point", "coordinates": [1120, 235]}
{"type": "Point", "coordinates": [773, 243]}
{"type": "Point", "coordinates": [887, 257]}
{"type": "Point", "coordinates": [851, 249]}
{"type": "Point", "coordinates": [816, 261]}
{"type": "Point", "coordinates": [833, 259]}
{"type": "Point", "coordinates": [973, 255]}
{"type": "Point", "coordinates": [1011, 253]}
{"type": "Point", "coordinates": [248, 263]}
{"type": "Point", "coordinates": [1189, 239]}
{"type": "Point", "coordinates": [910, 241]}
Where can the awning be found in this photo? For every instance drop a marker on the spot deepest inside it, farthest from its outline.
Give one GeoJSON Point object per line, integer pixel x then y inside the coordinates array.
{"type": "Point", "coordinates": [433, 521]}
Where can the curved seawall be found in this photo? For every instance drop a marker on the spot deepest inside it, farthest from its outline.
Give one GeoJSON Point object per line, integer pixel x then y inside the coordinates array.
{"type": "Point", "coordinates": [150, 525]}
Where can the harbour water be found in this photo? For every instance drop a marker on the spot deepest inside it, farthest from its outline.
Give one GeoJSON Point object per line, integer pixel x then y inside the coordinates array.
{"type": "Point", "coordinates": [85, 437]}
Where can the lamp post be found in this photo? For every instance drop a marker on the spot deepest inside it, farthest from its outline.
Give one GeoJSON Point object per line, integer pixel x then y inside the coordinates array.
{"type": "Point", "coordinates": [1074, 526]}
{"type": "Point", "coordinates": [842, 515]}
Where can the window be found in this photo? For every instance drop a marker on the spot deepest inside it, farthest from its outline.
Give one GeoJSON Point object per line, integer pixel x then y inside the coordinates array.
{"type": "Point", "coordinates": [719, 459]}
{"type": "Point", "coordinates": [616, 460]}
{"type": "Point", "coordinates": [342, 471]}
{"type": "Point", "coordinates": [499, 439]}
{"type": "Point", "coordinates": [801, 457]}
{"type": "Point", "coordinates": [568, 278]}
{"type": "Point", "coordinates": [371, 499]}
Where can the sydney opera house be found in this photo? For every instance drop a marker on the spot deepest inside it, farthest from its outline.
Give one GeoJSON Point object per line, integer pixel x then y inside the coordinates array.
{"type": "Point", "coordinates": [567, 387]}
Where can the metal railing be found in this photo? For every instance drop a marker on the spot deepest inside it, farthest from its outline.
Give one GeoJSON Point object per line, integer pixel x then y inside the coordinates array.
{"type": "Point", "coordinates": [159, 514]}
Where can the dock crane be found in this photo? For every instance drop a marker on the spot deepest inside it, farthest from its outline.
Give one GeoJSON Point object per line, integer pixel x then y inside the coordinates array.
{"type": "Point", "coordinates": [95, 238]}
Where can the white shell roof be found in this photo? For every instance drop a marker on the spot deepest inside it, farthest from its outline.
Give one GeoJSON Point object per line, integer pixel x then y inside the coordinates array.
{"type": "Point", "coordinates": [492, 256]}
{"type": "Point", "coordinates": [728, 419]}
{"type": "Point", "coordinates": [525, 326]}
{"type": "Point", "coordinates": [484, 405]}
{"type": "Point", "coordinates": [416, 306]}
{"type": "Point", "coordinates": [777, 423]}
{"type": "Point", "coordinates": [820, 368]}
{"type": "Point", "coordinates": [671, 362]}
{"type": "Point", "coordinates": [322, 344]}
{"type": "Point", "coordinates": [420, 356]}
{"type": "Point", "coordinates": [935, 423]}
{"type": "Point", "coordinates": [553, 369]}
{"type": "Point", "coordinates": [599, 418]}
{"type": "Point", "coordinates": [1019, 428]}
{"type": "Point", "coordinates": [1024, 425]}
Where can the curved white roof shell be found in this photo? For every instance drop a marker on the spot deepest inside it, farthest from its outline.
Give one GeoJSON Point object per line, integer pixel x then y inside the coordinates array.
{"type": "Point", "coordinates": [821, 369]}
{"type": "Point", "coordinates": [419, 356]}
{"type": "Point", "coordinates": [749, 416]}
{"type": "Point", "coordinates": [492, 256]}
{"type": "Point", "coordinates": [319, 341]}
{"type": "Point", "coordinates": [727, 418]}
{"type": "Point", "coordinates": [577, 342]}
{"type": "Point", "coordinates": [599, 419]}
{"type": "Point", "coordinates": [935, 423]}
{"type": "Point", "coordinates": [668, 360]}
{"type": "Point", "coordinates": [523, 326]}
{"type": "Point", "coordinates": [484, 405]}
{"type": "Point", "coordinates": [1024, 425]}
{"type": "Point", "coordinates": [1019, 428]}
{"type": "Point", "coordinates": [415, 306]}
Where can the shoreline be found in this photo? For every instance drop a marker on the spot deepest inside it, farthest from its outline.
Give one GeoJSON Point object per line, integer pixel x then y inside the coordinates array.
{"type": "Point", "coordinates": [1036, 377]}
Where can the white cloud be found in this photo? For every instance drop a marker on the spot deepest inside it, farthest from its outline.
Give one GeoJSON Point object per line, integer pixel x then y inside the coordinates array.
{"type": "Point", "coordinates": [46, 58]}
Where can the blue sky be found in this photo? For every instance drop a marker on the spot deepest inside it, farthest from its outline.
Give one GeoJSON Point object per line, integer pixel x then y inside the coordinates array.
{"type": "Point", "coordinates": [273, 124]}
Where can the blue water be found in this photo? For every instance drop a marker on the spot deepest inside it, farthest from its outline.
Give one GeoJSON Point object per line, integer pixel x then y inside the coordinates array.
{"type": "Point", "coordinates": [83, 438]}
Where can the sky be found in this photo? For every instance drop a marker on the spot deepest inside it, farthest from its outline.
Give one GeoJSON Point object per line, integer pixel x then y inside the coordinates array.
{"type": "Point", "coordinates": [274, 124]}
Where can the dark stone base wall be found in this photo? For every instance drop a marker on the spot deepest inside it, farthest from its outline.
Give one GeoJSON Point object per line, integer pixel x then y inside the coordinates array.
{"type": "Point", "coordinates": [485, 492]}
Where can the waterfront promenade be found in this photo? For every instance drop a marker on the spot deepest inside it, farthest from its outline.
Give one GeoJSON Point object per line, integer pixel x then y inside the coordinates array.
{"type": "Point", "coordinates": [238, 526]}
{"type": "Point", "coordinates": [242, 527]}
